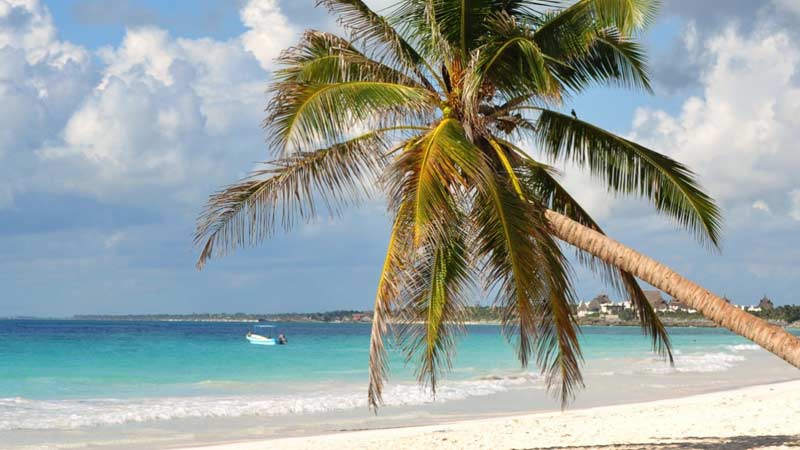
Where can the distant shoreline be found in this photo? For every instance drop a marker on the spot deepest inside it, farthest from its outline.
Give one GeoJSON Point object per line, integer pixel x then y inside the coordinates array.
{"type": "Point", "coordinates": [600, 322]}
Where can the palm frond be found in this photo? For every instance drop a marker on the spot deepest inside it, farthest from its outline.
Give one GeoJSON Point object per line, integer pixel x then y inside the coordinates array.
{"type": "Point", "coordinates": [510, 260]}
{"type": "Point", "coordinates": [540, 183]}
{"type": "Point", "coordinates": [463, 25]}
{"type": "Point", "coordinates": [432, 173]}
{"type": "Point", "coordinates": [611, 59]}
{"type": "Point", "coordinates": [510, 65]}
{"type": "Point", "coordinates": [386, 299]}
{"type": "Point", "coordinates": [564, 34]}
{"type": "Point", "coordinates": [558, 349]}
{"type": "Point", "coordinates": [245, 213]}
{"type": "Point", "coordinates": [628, 16]}
{"type": "Point", "coordinates": [372, 29]}
{"type": "Point", "coordinates": [326, 58]}
{"type": "Point", "coordinates": [434, 313]}
{"type": "Point", "coordinates": [431, 178]}
{"type": "Point", "coordinates": [462, 22]}
{"type": "Point", "coordinates": [524, 266]}
{"type": "Point", "coordinates": [302, 115]}
{"type": "Point", "coordinates": [629, 168]}
{"type": "Point", "coordinates": [581, 52]}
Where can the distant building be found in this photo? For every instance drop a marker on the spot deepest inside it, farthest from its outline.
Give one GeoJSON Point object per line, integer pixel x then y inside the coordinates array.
{"type": "Point", "coordinates": [765, 304]}
{"type": "Point", "coordinates": [656, 300]}
{"type": "Point", "coordinates": [600, 304]}
{"type": "Point", "coordinates": [603, 299]}
{"type": "Point", "coordinates": [677, 305]}
{"type": "Point", "coordinates": [583, 309]}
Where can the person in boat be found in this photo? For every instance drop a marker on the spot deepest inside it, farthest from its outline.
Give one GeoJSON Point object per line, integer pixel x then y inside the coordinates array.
{"type": "Point", "coordinates": [282, 339]}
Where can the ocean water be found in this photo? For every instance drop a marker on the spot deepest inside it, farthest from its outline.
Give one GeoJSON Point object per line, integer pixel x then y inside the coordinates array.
{"type": "Point", "coordinates": [90, 375]}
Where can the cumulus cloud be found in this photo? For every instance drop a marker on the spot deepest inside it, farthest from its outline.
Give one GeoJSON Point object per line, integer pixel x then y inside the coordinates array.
{"type": "Point", "coordinates": [156, 119]}
{"type": "Point", "coordinates": [792, 6]}
{"type": "Point", "coordinates": [42, 80]}
{"type": "Point", "coordinates": [269, 31]}
{"type": "Point", "coordinates": [761, 205]}
{"type": "Point", "coordinates": [26, 25]}
{"type": "Point", "coordinates": [741, 134]}
{"type": "Point", "coordinates": [676, 69]}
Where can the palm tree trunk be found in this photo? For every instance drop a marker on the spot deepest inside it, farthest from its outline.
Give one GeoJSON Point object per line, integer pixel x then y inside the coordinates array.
{"type": "Point", "coordinates": [771, 337]}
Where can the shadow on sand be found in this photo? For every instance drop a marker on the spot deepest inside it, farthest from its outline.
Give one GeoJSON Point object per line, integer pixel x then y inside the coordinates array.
{"type": "Point", "coordinates": [695, 443]}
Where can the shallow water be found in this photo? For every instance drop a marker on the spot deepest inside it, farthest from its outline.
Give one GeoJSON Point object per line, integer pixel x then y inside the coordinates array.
{"type": "Point", "coordinates": [68, 383]}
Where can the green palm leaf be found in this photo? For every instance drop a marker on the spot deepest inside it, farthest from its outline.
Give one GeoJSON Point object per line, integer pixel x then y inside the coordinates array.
{"type": "Point", "coordinates": [325, 58]}
{"type": "Point", "coordinates": [582, 54]}
{"type": "Point", "coordinates": [430, 174]}
{"type": "Point", "coordinates": [371, 28]}
{"type": "Point", "coordinates": [558, 350]}
{"type": "Point", "coordinates": [461, 24]}
{"type": "Point", "coordinates": [306, 114]}
{"type": "Point", "coordinates": [627, 16]}
{"type": "Point", "coordinates": [433, 316]}
{"type": "Point", "coordinates": [387, 297]}
{"type": "Point", "coordinates": [511, 63]}
{"type": "Point", "coordinates": [524, 266]}
{"type": "Point", "coordinates": [245, 213]}
{"type": "Point", "coordinates": [540, 183]}
{"type": "Point", "coordinates": [503, 241]}
{"type": "Point", "coordinates": [630, 168]}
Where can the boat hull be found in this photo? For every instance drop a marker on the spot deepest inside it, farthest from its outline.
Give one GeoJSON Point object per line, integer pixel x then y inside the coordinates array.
{"type": "Point", "coordinates": [260, 340]}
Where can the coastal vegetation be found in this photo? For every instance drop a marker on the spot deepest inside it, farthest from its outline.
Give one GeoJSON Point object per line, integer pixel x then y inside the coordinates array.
{"type": "Point", "coordinates": [429, 105]}
{"type": "Point", "coordinates": [785, 313]}
{"type": "Point", "coordinates": [781, 315]}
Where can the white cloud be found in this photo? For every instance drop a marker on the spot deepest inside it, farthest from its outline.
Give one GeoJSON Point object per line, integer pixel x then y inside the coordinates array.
{"type": "Point", "coordinates": [269, 30]}
{"type": "Point", "coordinates": [792, 6]}
{"type": "Point", "coordinates": [761, 205]}
{"type": "Point", "coordinates": [42, 80]}
{"type": "Point", "coordinates": [26, 25]}
{"type": "Point", "coordinates": [155, 119]}
{"type": "Point", "coordinates": [741, 133]}
{"type": "Point", "coordinates": [148, 51]}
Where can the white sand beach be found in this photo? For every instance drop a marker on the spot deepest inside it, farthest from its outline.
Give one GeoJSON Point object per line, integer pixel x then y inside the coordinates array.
{"type": "Point", "coordinates": [757, 417]}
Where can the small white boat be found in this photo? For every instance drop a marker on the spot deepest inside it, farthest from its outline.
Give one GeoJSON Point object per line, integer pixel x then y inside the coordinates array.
{"type": "Point", "coordinates": [260, 339]}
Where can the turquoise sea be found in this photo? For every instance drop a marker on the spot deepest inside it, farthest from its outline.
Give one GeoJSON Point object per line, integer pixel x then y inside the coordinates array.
{"type": "Point", "coordinates": [86, 375]}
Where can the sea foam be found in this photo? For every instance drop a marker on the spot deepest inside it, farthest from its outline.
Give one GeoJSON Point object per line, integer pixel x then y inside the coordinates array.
{"type": "Point", "coordinates": [699, 363]}
{"type": "Point", "coordinates": [742, 347]}
{"type": "Point", "coordinates": [26, 414]}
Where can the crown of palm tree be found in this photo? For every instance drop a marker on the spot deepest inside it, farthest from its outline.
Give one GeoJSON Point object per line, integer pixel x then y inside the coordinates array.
{"type": "Point", "coordinates": [428, 103]}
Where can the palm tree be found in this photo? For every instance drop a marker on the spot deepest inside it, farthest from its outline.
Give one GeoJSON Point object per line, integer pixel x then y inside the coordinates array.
{"type": "Point", "coordinates": [429, 104]}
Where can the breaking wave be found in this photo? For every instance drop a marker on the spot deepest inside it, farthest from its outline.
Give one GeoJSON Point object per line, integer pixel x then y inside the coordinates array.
{"type": "Point", "coordinates": [21, 413]}
{"type": "Point", "coordinates": [742, 347]}
{"type": "Point", "coordinates": [700, 363]}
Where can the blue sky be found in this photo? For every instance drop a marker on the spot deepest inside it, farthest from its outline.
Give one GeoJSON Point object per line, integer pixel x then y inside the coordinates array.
{"type": "Point", "coordinates": [118, 122]}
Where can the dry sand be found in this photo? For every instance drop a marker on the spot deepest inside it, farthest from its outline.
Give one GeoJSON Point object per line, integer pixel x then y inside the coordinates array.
{"type": "Point", "coordinates": [758, 417]}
